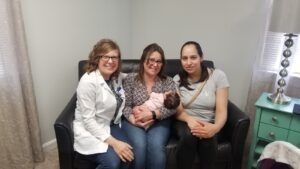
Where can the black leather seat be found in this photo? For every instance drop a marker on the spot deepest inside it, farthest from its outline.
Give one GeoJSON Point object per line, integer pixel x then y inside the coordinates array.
{"type": "Point", "coordinates": [231, 138]}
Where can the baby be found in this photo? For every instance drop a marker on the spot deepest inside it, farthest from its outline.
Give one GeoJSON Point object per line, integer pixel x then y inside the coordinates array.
{"type": "Point", "coordinates": [169, 99]}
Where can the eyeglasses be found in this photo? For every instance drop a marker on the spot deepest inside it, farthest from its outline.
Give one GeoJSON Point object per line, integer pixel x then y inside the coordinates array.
{"type": "Point", "coordinates": [153, 61]}
{"type": "Point", "coordinates": [113, 58]}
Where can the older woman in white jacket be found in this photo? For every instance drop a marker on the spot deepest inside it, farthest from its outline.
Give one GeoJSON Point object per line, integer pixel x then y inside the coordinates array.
{"type": "Point", "coordinates": [100, 100]}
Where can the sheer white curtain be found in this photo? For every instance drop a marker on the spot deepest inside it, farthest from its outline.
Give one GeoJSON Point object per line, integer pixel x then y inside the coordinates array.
{"type": "Point", "coordinates": [267, 64]}
{"type": "Point", "coordinates": [20, 143]}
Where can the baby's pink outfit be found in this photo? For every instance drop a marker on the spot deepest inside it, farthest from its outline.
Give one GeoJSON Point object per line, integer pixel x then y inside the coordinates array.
{"type": "Point", "coordinates": [155, 101]}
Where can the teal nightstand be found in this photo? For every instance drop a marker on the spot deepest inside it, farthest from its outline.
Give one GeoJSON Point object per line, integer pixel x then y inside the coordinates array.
{"type": "Point", "coordinates": [273, 122]}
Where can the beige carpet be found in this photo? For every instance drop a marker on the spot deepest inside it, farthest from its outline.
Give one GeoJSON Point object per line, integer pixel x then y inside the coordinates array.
{"type": "Point", "coordinates": [51, 160]}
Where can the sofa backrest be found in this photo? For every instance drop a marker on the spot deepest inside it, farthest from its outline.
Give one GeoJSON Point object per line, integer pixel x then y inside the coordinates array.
{"type": "Point", "coordinates": [131, 65]}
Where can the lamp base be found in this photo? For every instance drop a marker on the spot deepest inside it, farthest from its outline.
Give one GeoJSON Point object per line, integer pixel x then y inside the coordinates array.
{"type": "Point", "coordinates": [279, 98]}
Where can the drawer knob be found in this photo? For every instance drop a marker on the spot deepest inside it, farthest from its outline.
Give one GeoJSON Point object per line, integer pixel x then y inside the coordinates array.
{"type": "Point", "coordinates": [274, 118]}
{"type": "Point", "coordinates": [272, 134]}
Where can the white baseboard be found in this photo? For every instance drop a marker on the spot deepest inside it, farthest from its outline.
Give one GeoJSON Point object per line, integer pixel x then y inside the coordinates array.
{"type": "Point", "coordinates": [50, 145]}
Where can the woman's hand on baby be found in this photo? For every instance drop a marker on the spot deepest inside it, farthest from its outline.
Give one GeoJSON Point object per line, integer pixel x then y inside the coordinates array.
{"type": "Point", "coordinates": [145, 124]}
{"type": "Point", "coordinates": [136, 110]}
{"type": "Point", "coordinates": [142, 114]}
{"type": "Point", "coordinates": [137, 118]}
{"type": "Point", "coordinates": [133, 116]}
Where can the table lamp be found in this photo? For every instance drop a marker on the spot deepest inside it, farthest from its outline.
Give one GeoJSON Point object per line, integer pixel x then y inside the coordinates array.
{"type": "Point", "coordinates": [285, 18]}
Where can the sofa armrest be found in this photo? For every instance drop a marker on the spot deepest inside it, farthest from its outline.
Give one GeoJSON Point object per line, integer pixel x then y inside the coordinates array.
{"type": "Point", "coordinates": [63, 127]}
{"type": "Point", "coordinates": [235, 130]}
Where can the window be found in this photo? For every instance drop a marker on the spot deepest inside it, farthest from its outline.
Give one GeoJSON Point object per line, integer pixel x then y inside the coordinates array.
{"type": "Point", "coordinates": [272, 54]}
{"type": "Point", "coordinates": [296, 60]}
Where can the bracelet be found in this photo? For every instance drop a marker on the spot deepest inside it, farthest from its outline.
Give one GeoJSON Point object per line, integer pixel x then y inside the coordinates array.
{"type": "Point", "coordinates": [153, 115]}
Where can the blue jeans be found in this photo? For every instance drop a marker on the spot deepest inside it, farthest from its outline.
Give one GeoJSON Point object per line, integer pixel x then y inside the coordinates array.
{"type": "Point", "coordinates": [109, 159]}
{"type": "Point", "coordinates": [149, 146]}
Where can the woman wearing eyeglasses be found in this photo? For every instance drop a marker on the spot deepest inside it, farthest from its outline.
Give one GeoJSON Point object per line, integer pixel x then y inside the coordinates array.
{"type": "Point", "coordinates": [148, 145]}
{"type": "Point", "coordinates": [100, 100]}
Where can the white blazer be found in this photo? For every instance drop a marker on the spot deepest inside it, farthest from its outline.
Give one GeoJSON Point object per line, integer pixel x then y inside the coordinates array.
{"type": "Point", "coordinates": [95, 108]}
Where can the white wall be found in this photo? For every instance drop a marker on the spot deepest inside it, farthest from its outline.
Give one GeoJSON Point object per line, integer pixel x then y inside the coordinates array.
{"type": "Point", "coordinates": [228, 31]}
{"type": "Point", "coordinates": [60, 33]}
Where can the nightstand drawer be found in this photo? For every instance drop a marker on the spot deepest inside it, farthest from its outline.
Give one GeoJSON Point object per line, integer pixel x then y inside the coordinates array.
{"type": "Point", "coordinates": [295, 124]}
{"type": "Point", "coordinates": [272, 133]}
{"type": "Point", "coordinates": [276, 118]}
{"type": "Point", "coordinates": [294, 138]}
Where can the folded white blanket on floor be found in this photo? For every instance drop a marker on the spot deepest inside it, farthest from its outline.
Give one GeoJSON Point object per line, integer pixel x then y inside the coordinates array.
{"type": "Point", "coordinates": [283, 152]}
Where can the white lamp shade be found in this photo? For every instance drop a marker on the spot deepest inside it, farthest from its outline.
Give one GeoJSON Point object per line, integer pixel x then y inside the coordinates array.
{"type": "Point", "coordinates": [285, 16]}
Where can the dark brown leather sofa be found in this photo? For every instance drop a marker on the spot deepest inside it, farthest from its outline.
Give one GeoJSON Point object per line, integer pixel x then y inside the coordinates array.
{"type": "Point", "coordinates": [231, 138]}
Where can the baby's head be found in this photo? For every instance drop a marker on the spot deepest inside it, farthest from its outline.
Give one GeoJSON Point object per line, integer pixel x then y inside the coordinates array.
{"type": "Point", "coordinates": [172, 100]}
